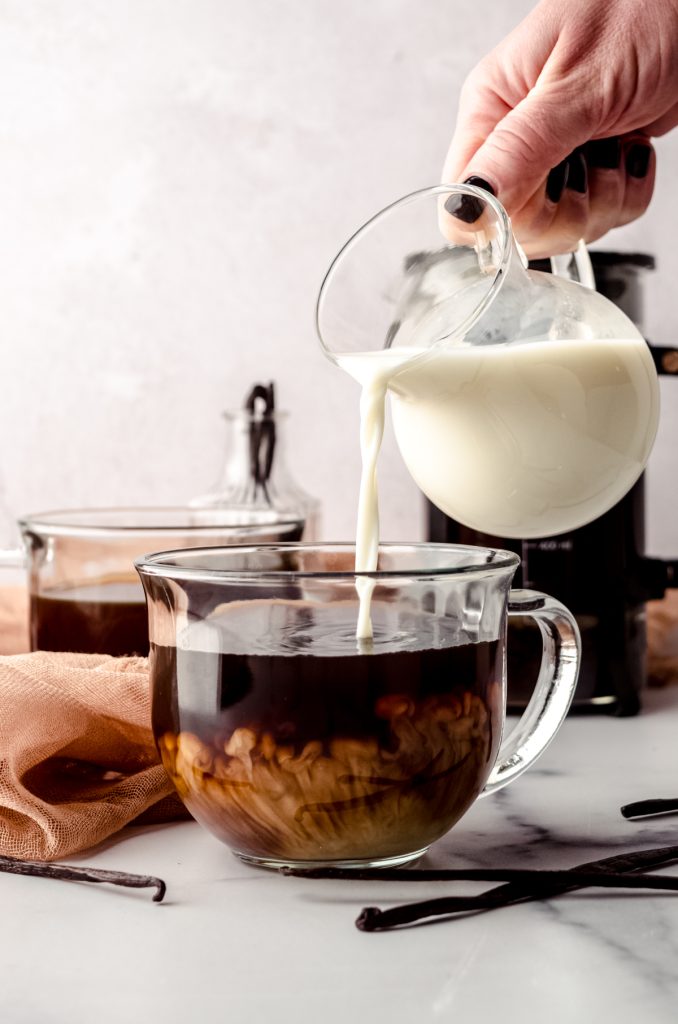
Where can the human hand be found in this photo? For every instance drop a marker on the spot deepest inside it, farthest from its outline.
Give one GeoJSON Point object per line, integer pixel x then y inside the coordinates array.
{"type": "Point", "coordinates": [557, 119]}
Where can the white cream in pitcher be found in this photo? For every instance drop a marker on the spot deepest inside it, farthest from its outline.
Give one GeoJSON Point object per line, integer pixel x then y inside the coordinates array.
{"type": "Point", "coordinates": [520, 439]}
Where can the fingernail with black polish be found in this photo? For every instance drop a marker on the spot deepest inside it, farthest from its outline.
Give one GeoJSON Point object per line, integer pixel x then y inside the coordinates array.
{"type": "Point", "coordinates": [577, 178]}
{"type": "Point", "coordinates": [468, 208]}
{"type": "Point", "coordinates": [604, 153]}
{"type": "Point", "coordinates": [556, 181]}
{"type": "Point", "coordinates": [480, 183]}
{"type": "Point", "coordinates": [465, 208]}
{"type": "Point", "coordinates": [638, 160]}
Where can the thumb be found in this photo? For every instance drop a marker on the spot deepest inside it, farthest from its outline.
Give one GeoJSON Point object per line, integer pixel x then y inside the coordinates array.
{"type": "Point", "coordinates": [518, 153]}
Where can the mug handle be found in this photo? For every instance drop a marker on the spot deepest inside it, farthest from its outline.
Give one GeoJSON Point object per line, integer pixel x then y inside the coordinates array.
{"type": "Point", "coordinates": [553, 693]}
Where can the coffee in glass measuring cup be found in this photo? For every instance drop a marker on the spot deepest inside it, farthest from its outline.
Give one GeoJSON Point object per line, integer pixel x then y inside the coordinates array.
{"type": "Point", "coordinates": [85, 595]}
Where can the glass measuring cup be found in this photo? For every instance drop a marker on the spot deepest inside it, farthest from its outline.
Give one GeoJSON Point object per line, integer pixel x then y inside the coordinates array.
{"type": "Point", "coordinates": [83, 591]}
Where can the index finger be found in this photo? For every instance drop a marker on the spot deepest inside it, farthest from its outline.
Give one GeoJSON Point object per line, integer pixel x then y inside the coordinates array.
{"type": "Point", "coordinates": [480, 111]}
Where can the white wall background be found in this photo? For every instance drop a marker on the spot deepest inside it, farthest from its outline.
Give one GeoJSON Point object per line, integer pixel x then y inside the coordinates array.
{"type": "Point", "coordinates": [175, 176]}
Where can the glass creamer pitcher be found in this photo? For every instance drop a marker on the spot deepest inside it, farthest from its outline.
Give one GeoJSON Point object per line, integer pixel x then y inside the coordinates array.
{"type": "Point", "coordinates": [524, 404]}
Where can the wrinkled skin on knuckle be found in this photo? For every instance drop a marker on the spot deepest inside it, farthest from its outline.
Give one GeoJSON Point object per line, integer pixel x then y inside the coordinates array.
{"type": "Point", "coordinates": [481, 100]}
{"type": "Point", "coordinates": [511, 142]}
{"type": "Point", "coordinates": [622, 56]}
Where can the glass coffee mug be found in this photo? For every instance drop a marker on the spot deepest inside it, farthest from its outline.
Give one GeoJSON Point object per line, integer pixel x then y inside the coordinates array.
{"type": "Point", "coordinates": [84, 593]}
{"type": "Point", "coordinates": [294, 743]}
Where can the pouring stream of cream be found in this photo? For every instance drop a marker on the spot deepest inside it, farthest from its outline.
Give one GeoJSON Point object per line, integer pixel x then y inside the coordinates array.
{"type": "Point", "coordinates": [373, 371]}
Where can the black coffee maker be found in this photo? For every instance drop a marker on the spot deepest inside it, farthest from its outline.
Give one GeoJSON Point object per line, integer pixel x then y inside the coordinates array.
{"type": "Point", "coordinates": [599, 571]}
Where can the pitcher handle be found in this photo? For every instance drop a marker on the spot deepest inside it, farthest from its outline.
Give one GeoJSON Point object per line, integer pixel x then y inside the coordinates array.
{"type": "Point", "coordinates": [575, 266]}
{"type": "Point", "coordinates": [553, 693]}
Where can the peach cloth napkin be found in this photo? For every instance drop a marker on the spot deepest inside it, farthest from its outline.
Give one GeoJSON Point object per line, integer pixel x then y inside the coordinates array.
{"type": "Point", "coordinates": [77, 757]}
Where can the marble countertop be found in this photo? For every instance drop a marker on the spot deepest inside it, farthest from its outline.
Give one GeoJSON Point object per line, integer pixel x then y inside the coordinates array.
{"type": "Point", "coordinates": [235, 943]}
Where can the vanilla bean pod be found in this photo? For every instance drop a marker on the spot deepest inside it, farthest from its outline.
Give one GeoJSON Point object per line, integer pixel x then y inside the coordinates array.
{"type": "Point", "coordinates": [641, 808]}
{"type": "Point", "coordinates": [71, 873]}
{"type": "Point", "coordinates": [542, 885]}
{"type": "Point", "coordinates": [637, 860]}
{"type": "Point", "coordinates": [521, 885]}
{"type": "Point", "coordinates": [262, 436]}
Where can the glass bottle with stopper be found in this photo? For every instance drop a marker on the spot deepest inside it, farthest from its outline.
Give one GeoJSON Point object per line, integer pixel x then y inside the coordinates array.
{"type": "Point", "coordinates": [254, 473]}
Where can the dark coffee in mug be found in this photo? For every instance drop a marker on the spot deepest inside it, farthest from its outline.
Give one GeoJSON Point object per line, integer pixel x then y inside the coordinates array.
{"type": "Point", "coordinates": [311, 749]}
{"type": "Point", "coordinates": [98, 618]}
